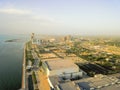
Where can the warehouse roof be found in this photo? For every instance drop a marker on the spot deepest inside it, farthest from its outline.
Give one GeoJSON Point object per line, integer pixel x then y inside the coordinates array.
{"type": "Point", "coordinates": [58, 82]}
{"type": "Point", "coordinates": [55, 80]}
{"type": "Point", "coordinates": [68, 86]}
{"type": "Point", "coordinates": [99, 81]}
{"type": "Point", "coordinates": [60, 64]}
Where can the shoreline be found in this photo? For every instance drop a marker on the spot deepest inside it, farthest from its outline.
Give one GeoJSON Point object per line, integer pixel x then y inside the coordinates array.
{"type": "Point", "coordinates": [23, 69]}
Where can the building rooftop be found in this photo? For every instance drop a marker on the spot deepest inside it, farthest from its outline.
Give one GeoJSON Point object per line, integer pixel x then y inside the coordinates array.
{"type": "Point", "coordinates": [98, 82]}
{"type": "Point", "coordinates": [58, 82]}
{"type": "Point", "coordinates": [55, 80]}
{"type": "Point", "coordinates": [60, 64]}
{"type": "Point", "coordinates": [112, 87]}
{"type": "Point", "coordinates": [68, 86]}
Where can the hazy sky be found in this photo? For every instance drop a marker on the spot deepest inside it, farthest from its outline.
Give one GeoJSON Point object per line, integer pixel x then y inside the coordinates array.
{"type": "Point", "coordinates": [60, 16]}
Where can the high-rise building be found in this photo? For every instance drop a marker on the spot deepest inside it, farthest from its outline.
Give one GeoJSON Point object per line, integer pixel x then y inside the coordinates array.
{"type": "Point", "coordinates": [35, 40]}
{"type": "Point", "coordinates": [32, 38]}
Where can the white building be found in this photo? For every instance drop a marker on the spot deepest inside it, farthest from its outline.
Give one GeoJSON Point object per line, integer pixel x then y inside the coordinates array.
{"type": "Point", "coordinates": [35, 40]}
{"type": "Point", "coordinates": [29, 64]}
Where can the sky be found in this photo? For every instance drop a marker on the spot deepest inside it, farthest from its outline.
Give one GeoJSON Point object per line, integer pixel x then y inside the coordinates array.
{"type": "Point", "coordinates": [84, 17]}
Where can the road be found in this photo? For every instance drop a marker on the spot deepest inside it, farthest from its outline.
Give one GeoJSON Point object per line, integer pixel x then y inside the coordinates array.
{"type": "Point", "coordinates": [23, 71]}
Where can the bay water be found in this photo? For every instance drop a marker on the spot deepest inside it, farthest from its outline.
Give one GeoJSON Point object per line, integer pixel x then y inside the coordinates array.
{"type": "Point", "coordinates": [11, 56]}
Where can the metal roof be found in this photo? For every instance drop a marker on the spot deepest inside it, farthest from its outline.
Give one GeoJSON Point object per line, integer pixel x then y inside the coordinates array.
{"type": "Point", "coordinates": [68, 86]}
{"type": "Point", "coordinates": [60, 64]}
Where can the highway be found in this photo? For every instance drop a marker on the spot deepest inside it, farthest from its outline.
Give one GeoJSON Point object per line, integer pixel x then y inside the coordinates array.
{"type": "Point", "coordinates": [27, 84]}
{"type": "Point", "coordinates": [36, 67]}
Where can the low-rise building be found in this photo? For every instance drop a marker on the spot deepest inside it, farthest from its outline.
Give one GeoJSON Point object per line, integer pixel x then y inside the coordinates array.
{"type": "Point", "coordinates": [99, 82]}
{"type": "Point", "coordinates": [58, 83]}
{"type": "Point", "coordinates": [62, 67]}
{"type": "Point", "coordinates": [36, 63]}
{"type": "Point", "coordinates": [29, 64]}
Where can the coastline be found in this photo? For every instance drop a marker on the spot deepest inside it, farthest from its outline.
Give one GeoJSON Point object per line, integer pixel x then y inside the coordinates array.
{"type": "Point", "coordinates": [23, 69]}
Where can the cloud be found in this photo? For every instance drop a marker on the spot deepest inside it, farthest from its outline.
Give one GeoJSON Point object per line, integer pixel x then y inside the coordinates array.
{"type": "Point", "coordinates": [14, 11]}
{"type": "Point", "coordinates": [43, 18]}
{"type": "Point", "coordinates": [30, 14]}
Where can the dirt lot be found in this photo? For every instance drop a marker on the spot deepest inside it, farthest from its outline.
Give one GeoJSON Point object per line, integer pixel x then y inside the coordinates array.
{"type": "Point", "coordinates": [43, 84]}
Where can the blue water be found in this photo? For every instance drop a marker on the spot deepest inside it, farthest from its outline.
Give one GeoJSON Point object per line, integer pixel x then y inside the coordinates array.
{"type": "Point", "coordinates": [11, 54]}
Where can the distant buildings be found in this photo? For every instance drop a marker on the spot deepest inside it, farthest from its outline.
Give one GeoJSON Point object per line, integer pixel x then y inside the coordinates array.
{"type": "Point", "coordinates": [35, 40]}
{"type": "Point", "coordinates": [67, 38]}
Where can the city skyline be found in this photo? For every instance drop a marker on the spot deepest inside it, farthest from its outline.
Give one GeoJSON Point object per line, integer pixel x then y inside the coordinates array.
{"type": "Point", "coordinates": [88, 17]}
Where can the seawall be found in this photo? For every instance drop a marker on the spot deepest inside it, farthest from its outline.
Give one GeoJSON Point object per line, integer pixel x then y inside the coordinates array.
{"type": "Point", "coordinates": [23, 69]}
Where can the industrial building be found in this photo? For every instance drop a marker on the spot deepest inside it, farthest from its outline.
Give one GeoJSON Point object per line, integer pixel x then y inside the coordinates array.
{"type": "Point", "coordinates": [62, 70]}
{"type": "Point", "coordinates": [62, 67]}
{"type": "Point", "coordinates": [99, 82]}
{"type": "Point", "coordinates": [59, 83]}
{"type": "Point", "coordinates": [69, 86]}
